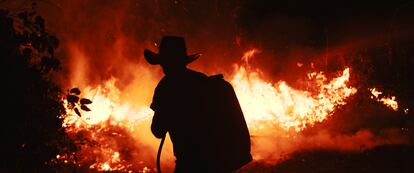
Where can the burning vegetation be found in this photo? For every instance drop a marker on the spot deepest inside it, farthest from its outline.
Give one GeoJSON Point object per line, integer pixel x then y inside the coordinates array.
{"type": "Point", "coordinates": [306, 94]}
{"type": "Point", "coordinates": [273, 111]}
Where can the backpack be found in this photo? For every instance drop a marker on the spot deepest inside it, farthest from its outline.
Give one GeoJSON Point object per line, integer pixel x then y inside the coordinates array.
{"type": "Point", "coordinates": [225, 132]}
{"type": "Point", "coordinates": [229, 133]}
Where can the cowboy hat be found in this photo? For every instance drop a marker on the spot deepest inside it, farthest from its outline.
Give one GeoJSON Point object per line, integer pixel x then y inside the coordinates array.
{"type": "Point", "coordinates": [171, 50]}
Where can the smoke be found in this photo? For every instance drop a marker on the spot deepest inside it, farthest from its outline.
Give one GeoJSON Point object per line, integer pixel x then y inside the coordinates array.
{"type": "Point", "coordinates": [109, 35]}
{"type": "Point", "coordinates": [103, 39]}
{"type": "Point", "coordinates": [283, 146]}
{"type": "Point", "coordinates": [100, 38]}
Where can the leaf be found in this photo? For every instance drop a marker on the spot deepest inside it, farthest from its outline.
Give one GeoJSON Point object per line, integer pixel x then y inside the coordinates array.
{"type": "Point", "coordinates": [85, 108]}
{"type": "Point", "coordinates": [48, 63]}
{"type": "Point", "coordinates": [77, 112]}
{"type": "Point", "coordinates": [85, 101]}
{"type": "Point", "coordinates": [53, 41]}
{"type": "Point", "coordinates": [40, 22]}
{"type": "Point", "coordinates": [75, 91]}
{"type": "Point", "coordinates": [72, 99]}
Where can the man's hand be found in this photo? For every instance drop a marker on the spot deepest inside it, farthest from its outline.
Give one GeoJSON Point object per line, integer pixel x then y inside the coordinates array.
{"type": "Point", "coordinates": [158, 127]}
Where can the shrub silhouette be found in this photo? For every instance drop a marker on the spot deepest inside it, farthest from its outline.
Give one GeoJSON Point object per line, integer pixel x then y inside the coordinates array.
{"type": "Point", "coordinates": [32, 133]}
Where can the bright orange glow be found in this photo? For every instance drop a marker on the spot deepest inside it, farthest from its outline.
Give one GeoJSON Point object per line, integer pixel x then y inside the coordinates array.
{"type": "Point", "coordinates": [279, 104]}
{"type": "Point", "coordinates": [387, 101]}
{"type": "Point", "coordinates": [264, 104]}
{"type": "Point", "coordinates": [108, 119]}
{"type": "Point", "coordinates": [249, 54]}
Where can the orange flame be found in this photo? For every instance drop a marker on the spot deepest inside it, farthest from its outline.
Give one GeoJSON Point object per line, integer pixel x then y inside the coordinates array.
{"type": "Point", "coordinates": [387, 101]}
{"type": "Point", "coordinates": [264, 105]}
{"type": "Point", "coordinates": [107, 141]}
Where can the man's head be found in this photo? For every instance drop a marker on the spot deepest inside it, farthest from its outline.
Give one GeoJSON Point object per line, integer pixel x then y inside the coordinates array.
{"type": "Point", "coordinates": [172, 55]}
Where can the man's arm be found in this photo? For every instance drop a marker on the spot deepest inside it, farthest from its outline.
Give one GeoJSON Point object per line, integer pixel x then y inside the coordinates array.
{"type": "Point", "coordinates": [158, 126]}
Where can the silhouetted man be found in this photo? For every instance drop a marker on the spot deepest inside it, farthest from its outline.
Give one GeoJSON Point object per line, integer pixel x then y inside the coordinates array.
{"type": "Point", "coordinates": [201, 113]}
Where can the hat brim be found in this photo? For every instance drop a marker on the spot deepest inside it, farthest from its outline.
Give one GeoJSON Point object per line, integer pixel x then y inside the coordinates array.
{"type": "Point", "coordinates": [154, 58]}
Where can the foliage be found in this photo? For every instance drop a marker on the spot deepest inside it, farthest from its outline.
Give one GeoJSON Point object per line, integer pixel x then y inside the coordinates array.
{"type": "Point", "coordinates": [32, 134]}
{"type": "Point", "coordinates": [75, 103]}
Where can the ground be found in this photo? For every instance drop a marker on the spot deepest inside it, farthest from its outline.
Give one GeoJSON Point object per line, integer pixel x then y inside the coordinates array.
{"type": "Point", "coordinates": [381, 159]}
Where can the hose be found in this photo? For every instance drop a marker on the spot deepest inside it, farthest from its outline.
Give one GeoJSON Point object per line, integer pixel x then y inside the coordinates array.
{"type": "Point", "coordinates": [159, 154]}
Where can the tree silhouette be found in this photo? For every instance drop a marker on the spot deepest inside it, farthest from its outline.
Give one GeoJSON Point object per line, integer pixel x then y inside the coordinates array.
{"type": "Point", "coordinates": [32, 132]}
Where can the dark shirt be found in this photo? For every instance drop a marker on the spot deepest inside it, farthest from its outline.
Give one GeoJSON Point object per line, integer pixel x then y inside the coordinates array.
{"type": "Point", "coordinates": [205, 123]}
{"type": "Point", "coordinates": [177, 105]}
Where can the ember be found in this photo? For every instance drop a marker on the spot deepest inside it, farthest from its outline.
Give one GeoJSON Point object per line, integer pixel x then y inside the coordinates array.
{"type": "Point", "coordinates": [265, 106]}
{"type": "Point", "coordinates": [387, 101]}
{"type": "Point", "coordinates": [104, 136]}
{"type": "Point", "coordinates": [309, 76]}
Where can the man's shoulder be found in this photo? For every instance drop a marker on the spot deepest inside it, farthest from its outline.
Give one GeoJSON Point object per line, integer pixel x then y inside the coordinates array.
{"type": "Point", "coordinates": [163, 83]}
